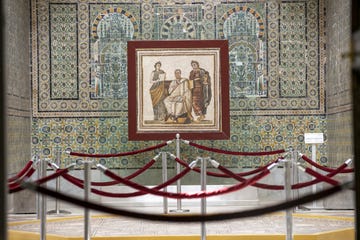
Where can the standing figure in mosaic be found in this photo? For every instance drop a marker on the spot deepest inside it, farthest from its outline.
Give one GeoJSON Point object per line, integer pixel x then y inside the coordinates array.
{"type": "Point", "coordinates": [178, 103]}
{"type": "Point", "coordinates": [201, 90]}
{"type": "Point", "coordinates": [158, 92]}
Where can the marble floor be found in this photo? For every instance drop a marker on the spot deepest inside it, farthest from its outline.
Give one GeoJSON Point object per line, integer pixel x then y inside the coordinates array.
{"type": "Point", "coordinates": [71, 223]}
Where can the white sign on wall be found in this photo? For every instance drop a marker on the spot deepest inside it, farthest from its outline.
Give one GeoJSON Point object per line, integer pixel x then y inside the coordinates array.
{"type": "Point", "coordinates": [312, 138]}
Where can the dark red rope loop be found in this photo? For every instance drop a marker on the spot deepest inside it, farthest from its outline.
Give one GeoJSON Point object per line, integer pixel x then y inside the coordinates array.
{"type": "Point", "coordinates": [315, 181]}
{"type": "Point", "coordinates": [118, 154]}
{"type": "Point", "coordinates": [27, 175]}
{"type": "Point", "coordinates": [216, 174]}
{"type": "Point", "coordinates": [321, 177]}
{"type": "Point", "coordinates": [186, 217]}
{"type": "Point", "coordinates": [325, 169]}
{"type": "Point", "coordinates": [17, 187]}
{"type": "Point", "coordinates": [201, 194]}
{"type": "Point", "coordinates": [111, 183]}
{"type": "Point", "coordinates": [281, 187]}
{"type": "Point", "coordinates": [22, 172]}
{"type": "Point", "coordinates": [216, 150]}
{"type": "Point", "coordinates": [131, 194]}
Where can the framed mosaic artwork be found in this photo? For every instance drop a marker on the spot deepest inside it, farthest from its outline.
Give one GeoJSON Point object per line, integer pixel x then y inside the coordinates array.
{"type": "Point", "coordinates": [178, 87]}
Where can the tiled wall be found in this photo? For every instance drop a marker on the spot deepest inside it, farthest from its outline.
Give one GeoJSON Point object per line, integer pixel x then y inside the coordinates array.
{"type": "Point", "coordinates": [338, 82]}
{"type": "Point", "coordinates": [18, 92]}
{"type": "Point", "coordinates": [18, 98]}
{"type": "Point", "coordinates": [284, 40]}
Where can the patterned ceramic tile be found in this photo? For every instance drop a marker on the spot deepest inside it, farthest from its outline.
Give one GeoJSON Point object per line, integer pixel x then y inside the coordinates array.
{"type": "Point", "coordinates": [80, 76]}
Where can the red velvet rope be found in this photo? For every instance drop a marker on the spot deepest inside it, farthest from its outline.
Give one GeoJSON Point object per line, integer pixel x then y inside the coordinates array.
{"type": "Point", "coordinates": [58, 173]}
{"type": "Point", "coordinates": [22, 172]}
{"type": "Point", "coordinates": [27, 175]}
{"type": "Point", "coordinates": [281, 187]}
{"type": "Point", "coordinates": [132, 194]}
{"type": "Point", "coordinates": [216, 150]}
{"type": "Point", "coordinates": [329, 175]}
{"type": "Point", "coordinates": [201, 194]}
{"type": "Point", "coordinates": [118, 154]}
{"type": "Point", "coordinates": [241, 179]}
{"type": "Point", "coordinates": [190, 217]}
{"type": "Point", "coordinates": [111, 183]}
{"type": "Point", "coordinates": [326, 169]}
{"type": "Point", "coordinates": [215, 174]}
{"type": "Point", "coordinates": [321, 177]}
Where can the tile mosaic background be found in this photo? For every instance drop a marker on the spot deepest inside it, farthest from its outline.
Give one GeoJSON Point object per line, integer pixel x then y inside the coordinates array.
{"type": "Point", "coordinates": [277, 70]}
{"type": "Point", "coordinates": [79, 52]}
{"type": "Point", "coordinates": [338, 87]}
{"type": "Point", "coordinates": [18, 85]}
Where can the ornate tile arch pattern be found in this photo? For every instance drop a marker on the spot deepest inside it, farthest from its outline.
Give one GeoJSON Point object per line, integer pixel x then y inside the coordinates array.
{"type": "Point", "coordinates": [112, 11]}
{"type": "Point", "coordinates": [285, 58]}
{"type": "Point", "coordinates": [244, 8]}
{"type": "Point", "coordinates": [293, 49]}
{"type": "Point", "coordinates": [70, 92]}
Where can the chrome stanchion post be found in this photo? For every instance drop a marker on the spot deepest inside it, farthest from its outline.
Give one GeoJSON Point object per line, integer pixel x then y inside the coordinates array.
{"type": "Point", "coordinates": [203, 200]}
{"type": "Point", "coordinates": [178, 183]}
{"type": "Point", "coordinates": [87, 184]}
{"type": "Point", "coordinates": [313, 157]}
{"type": "Point", "coordinates": [38, 200]}
{"type": "Point", "coordinates": [42, 203]}
{"type": "Point", "coordinates": [164, 178]}
{"type": "Point", "coordinates": [58, 160]}
{"type": "Point", "coordinates": [57, 209]}
{"type": "Point", "coordinates": [289, 217]}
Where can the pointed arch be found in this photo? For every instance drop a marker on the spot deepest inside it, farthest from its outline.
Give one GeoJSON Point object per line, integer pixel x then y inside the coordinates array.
{"type": "Point", "coordinates": [236, 9]}
{"type": "Point", "coordinates": [102, 14]}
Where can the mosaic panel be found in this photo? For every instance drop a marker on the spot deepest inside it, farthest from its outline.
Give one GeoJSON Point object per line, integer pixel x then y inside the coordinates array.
{"type": "Point", "coordinates": [63, 50]}
{"type": "Point", "coordinates": [279, 88]}
{"type": "Point", "coordinates": [105, 94]}
{"type": "Point", "coordinates": [293, 65]}
{"type": "Point", "coordinates": [111, 30]}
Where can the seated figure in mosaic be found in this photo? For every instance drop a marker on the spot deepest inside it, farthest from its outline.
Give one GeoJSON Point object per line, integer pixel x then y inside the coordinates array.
{"type": "Point", "coordinates": [178, 103]}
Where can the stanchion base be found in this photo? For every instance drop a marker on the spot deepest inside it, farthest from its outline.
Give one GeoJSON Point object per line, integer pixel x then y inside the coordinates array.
{"type": "Point", "coordinates": [303, 208]}
{"type": "Point", "coordinates": [179, 210]}
{"type": "Point", "coordinates": [58, 212]}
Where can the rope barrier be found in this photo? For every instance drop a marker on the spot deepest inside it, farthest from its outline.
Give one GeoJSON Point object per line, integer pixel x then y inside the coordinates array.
{"type": "Point", "coordinates": [281, 187]}
{"type": "Point", "coordinates": [22, 172]}
{"type": "Point", "coordinates": [189, 217]}
{"type": "Point", "coordinates": [318, 175]}
{"type": "Point", "coordinates": [329, 175]}
{"type": "Point", "coordinates": [216, 150]}
{"type": "Point", "coordinates": [202, 194]}
{"type": "Point", "coordinates": [215, 174]}
{"type": "Point", "coordinates": [109, 155]}
{"type": "Point", "coordinates": [132, 194]}
{"type": "Point", "coordinates": [15, 186]}
{"type": "Point", "coordinates": [325, 169]}
{"type": "Point", "coordinates": [18, 187]}
{"type": "Point", "coordinates": [27, 175]}
{"type": "Point", "coordinates": [241, 179]}
{"type": "Point", "coordinates": [111, 183]}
